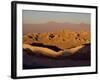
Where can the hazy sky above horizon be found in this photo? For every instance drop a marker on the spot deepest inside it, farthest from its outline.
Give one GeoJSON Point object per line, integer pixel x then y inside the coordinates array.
{"type": "Point", "coordinates": [38, 17]}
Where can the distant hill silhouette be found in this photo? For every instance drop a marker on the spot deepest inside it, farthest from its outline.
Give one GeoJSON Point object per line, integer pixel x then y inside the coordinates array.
{"type": "Point", "coordinates": [54, 26]}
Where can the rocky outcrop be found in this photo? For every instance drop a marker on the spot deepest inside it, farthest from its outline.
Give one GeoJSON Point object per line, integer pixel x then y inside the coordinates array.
{"type": "Point", "coordinates": [63, 39]}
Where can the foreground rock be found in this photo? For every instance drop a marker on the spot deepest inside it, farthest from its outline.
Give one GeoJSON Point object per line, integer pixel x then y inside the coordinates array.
{"type": "Point", "coordinates": [79, 52]}
{"type": "Point", "coordinates": [33, 59]}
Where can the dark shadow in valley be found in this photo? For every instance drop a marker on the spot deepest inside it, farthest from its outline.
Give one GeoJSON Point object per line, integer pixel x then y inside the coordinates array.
{"type": "Point", "coordinates": [47, 46]}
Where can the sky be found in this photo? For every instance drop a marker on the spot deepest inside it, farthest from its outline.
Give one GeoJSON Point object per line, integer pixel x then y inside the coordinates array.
{"type": "Point", "coordinates": [38, 17]}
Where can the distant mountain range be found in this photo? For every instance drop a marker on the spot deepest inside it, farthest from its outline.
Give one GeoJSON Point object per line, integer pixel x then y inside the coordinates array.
{"type": "Point", "coordinates": [54, 26]}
